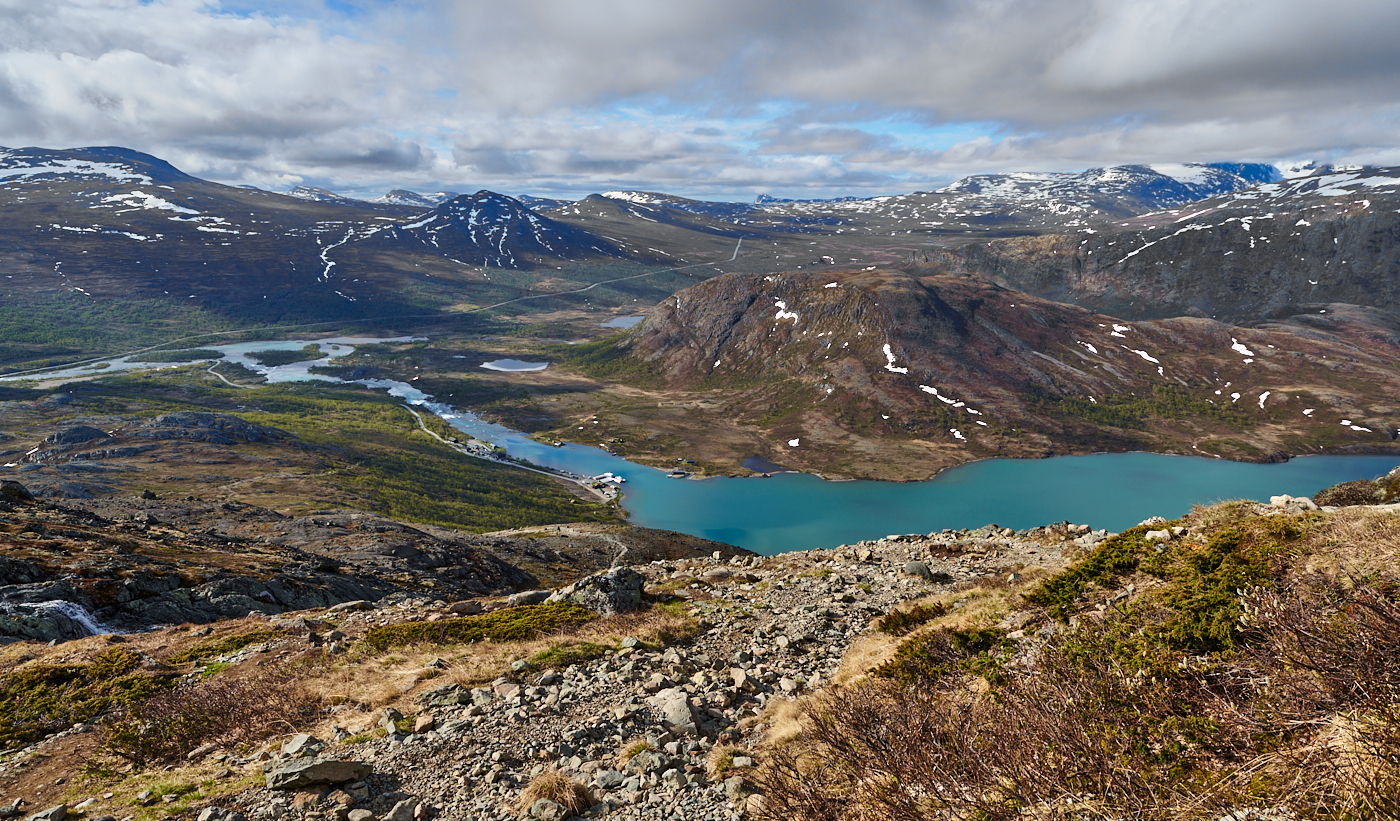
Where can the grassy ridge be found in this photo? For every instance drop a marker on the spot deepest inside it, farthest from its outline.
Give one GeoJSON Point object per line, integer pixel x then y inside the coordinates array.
{"type": "Point", "coordinates": [374, 448]}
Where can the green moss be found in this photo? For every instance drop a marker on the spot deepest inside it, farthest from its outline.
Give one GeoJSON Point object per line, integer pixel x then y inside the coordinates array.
{"type": "Point", "coordinates": [224, 646]}
{"type": "Point", "coordinates": [559, 657]}
{"type": "Point", "coordinates": [513, 624]}
{"type": "Point", "coordinates": [36, 701]}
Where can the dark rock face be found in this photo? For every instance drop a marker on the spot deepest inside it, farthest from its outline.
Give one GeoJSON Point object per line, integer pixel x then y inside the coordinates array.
{"type": "Point", "coordinates": [12, 492]}
{"type": "Point", "coordinates": [75, 435]}
{"type": "Point", "coordinates": [214, 428]}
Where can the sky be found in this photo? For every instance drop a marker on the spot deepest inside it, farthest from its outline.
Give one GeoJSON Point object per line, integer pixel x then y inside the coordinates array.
{"type": "Point", "coordinates": [712, 99]}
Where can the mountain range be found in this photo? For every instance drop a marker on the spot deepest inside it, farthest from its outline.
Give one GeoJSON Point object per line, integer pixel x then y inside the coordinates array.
{"type": "Point", "coordinates": [846, 321]}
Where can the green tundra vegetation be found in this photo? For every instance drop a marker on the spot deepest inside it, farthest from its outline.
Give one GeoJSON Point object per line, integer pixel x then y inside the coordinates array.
{"type": "Point", "coordinates": [373, 447]}
{"type": "Point", "coordinates": [39, 700]}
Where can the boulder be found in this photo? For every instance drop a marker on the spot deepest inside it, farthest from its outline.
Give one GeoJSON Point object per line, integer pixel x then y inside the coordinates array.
{"type": "Point", "coordinates": [403, 811]}
{"type": "Point", "coordinates": [918, 569]}
{"type": "Point", "coordinates": [673, 705]}
{"type": "Point", "coordinates": [304, 772]}
{"type": "Point", "coordinates": [619, 590]}
{"type": "Point", "coordinates": [75, 435]}
{"type": "Point", "coordinates": [303, 745]}
{"type": "Point", "coordinates": [58, 813]}
{"type": "Point", "coordinates": [13, 491]}
{"type": "Point", "coordinates": [648, 761]}
{"type": "Point", "coordinates": [527, 597]}
{"type": "Point", "coordinates": [466, 608]}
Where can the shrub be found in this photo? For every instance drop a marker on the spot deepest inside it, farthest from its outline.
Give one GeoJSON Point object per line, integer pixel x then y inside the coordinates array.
{"type": "Point", "coordinates": [1346, 494]}
{"type": "Point", "coordinates": [902, 622]}
{"type": "Point", "coordinates": [1113, 557]}
{"type": "Point", "coordinates": [512, 624]}
{"type": "Point", "coordinates": [929, 658]}
{"type": "Point", "coordinates": [170, 724]}
{"type": "Point", "coordinates": [39, 700]}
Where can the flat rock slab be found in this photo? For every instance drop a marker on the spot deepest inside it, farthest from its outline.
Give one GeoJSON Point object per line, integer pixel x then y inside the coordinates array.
{"type": "Point", "coordinates": [290, 775]}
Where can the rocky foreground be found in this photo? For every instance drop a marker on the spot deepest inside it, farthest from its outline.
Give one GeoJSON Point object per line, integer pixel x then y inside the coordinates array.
{"type": "Point", "coordinates": [678, 680]}
{"type": "Point", "coordinates": [653, 731]}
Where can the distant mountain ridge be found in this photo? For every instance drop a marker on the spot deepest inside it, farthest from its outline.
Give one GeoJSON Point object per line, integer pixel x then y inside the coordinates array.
{"type": "Point", "coordinates": [1140, 187]}
{"type": "Point", "coordinates": [112, 222]}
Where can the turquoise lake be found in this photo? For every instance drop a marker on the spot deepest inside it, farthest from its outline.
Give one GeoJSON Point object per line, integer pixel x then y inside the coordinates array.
{"type": "Point", "coordinates": [794, 511]}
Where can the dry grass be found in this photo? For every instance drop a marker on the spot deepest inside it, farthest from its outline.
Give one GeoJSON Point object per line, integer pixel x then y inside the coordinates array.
{"type": "Point", "coordinates": [1357, 542]}
{"type": "Point", "coordinates": [552, 785]}
{"type": "Point", "coordinates": [786, 718]}
{"type": "Point", "coordinates": [633, 750]}
{"type": "Point", "coordinates": [981, 605]}
{"type": "Point", "coordinates": [721, 760]}
{"type": "Point", "coordinates": [374, 680]}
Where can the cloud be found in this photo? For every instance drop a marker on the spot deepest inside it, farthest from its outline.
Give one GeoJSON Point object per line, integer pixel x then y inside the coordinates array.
{"type": "Point", "coordinates": [825, 98]}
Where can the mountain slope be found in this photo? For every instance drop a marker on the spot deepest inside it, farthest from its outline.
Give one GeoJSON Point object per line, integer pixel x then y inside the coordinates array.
{"type": "Point", "coordinates": [1243, 256]}
{"type": "Point", "coordinates": [888, 372]}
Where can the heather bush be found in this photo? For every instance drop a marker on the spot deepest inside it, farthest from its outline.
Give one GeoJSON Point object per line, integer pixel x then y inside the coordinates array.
{"type": "Point", "coordinates": [900, 622]}
{"type": "Point", "coordinates": [169, 724]}
{"type": "Point", "coordinates": [1346, 494]}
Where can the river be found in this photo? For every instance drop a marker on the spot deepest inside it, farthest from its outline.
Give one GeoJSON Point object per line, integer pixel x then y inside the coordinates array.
{"type": "Point", "coordinates": [794, 511]}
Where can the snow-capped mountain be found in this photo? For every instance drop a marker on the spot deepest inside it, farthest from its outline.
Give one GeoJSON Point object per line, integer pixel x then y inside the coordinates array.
{"type": "Point", "coordinates": [492, 229]}
{"type": "Point", "coordinates": [1329, 237]}
{"type": "Point", "coordinates": [310, 194]}
{"type": "Point", "coordinates": [1143, 187]}
{"type": "Point", "coordinates": [402, 196]}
